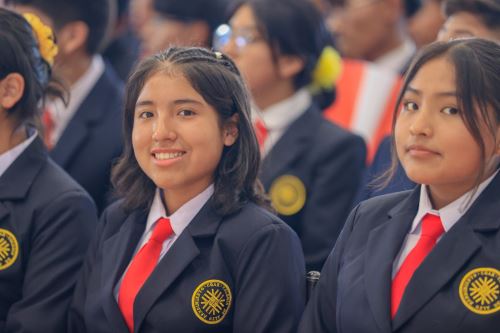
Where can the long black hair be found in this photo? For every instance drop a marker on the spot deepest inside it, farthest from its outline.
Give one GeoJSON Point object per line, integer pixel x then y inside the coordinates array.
{"type": "Point", "coordinates": [215, 77]}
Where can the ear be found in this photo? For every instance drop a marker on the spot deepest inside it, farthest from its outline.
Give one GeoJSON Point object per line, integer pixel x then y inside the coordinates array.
{"type": "Point", "coordinates": [11, 90]}
{"type": "Point", "coordinates": [230, 130]}
{"type": "Point", "coordinates": [289, 66]}
{"type": "Point", "coordinates": [497, 148]}
{"type": "Point", "coordinates": [72, 37]}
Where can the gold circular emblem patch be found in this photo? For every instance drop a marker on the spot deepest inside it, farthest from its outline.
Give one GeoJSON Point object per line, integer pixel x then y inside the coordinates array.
{"type": "Point", "coordinates": [479, 290]}
{"type": "Point", "coordinates": [211, 301]}
{"type": "Point", "coordinates": [288, 194]}
{"type": "Point", "coordinates": [9, 249]}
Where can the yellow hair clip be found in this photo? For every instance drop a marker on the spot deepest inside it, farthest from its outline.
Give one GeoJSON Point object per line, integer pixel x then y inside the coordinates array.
{"type": "Point", "coordinates": [327, 70]}
{"type": "Point", "coordinates": [44, 36]}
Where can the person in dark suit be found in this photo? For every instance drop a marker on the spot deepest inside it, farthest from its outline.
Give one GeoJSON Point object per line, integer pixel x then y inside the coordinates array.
{"type": "Point", "coordinates": [46, 219]}
{"type": "Point", "coordinates": [83, 136]}
{"type": "Point", "coordinates": [311, 167]}
{"type": "Point", "coordinates": [191, 247]}
{"type": "Point", "coordinates": [426, 260]}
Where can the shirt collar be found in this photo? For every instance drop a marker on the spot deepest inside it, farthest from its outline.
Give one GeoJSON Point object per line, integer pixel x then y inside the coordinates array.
{"type": "Point", "coordinates": [183, 216]}
{"type": "Point", "coordinates": [396, 59]}
{"type": "Point", "coordinates": [452, 212]}
{"type": "Point", "coordinates": [8, 157]}
{"type": "Point", "coordinates": [278, 116]}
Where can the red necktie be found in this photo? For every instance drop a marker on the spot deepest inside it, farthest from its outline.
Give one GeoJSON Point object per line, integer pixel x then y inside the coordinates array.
{"type": "Point", "coordinates": [260, 132]}
{"type": "Point", "coordinates": [48, 128]}
{"type": "Point", "coordinates": [432, 229]}
{"type": "Point", "coordinates": [140, 268]}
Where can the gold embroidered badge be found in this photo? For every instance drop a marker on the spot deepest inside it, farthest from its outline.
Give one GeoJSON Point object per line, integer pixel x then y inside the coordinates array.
{"type": "Point", "coordinates": [479, 290]}
{"type": "Point", "coordinates": [9, 249]}
{"type": "Point", "coordinates": [211, 301]}
{"type": "Point", "coordinates": [288, 194]}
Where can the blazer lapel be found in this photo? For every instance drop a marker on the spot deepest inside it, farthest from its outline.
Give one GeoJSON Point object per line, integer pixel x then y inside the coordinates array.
{"type": "Point", "coordinates": [290, 146]}
{"type": "Point", "coordinates": [447, 258]}
{"type": "Point", "coordinates": [175, 261]}
{"type": "Point", "coordinates": [117, 252]}
{"type": "Point", "coordinates": [384, 243]}
{"type": "Point", "coordinates": [77, 131]}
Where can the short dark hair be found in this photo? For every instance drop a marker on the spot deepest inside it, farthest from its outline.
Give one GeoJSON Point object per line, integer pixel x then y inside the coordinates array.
{"type": "Point", "coordinates": [19, 53]}
{"type": "Point", "coordinates": [477, 76]}
{"type": "Point", "coordinates": [94, 13]}
{"type": "Point", "coordinates": [215, 77]}
{"type": "Point", "coordinates": [213, 12]}
{"type": "Point", "coordinates": [294, 28]}
{"type": "Point", "coordinates": [487, 10]}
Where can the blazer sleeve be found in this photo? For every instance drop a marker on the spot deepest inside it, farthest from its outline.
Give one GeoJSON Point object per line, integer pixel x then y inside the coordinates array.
{"type": "Point", "coordinates": [76, 314]}
{"type": "Point", "coordinates": [270, 282]}
{"type": "Point", "coordinates": [320, 313]}
{"type": "Point", "coordinates": [58, 243]}
{"type": "Point", "coordinates": [329, 201]}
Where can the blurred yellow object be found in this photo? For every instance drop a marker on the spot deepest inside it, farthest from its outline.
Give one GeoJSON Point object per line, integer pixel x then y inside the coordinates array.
{"type": "Point", "coordinates": [45, 37]}
{"type": "Point", "coordinates": [327, 70]}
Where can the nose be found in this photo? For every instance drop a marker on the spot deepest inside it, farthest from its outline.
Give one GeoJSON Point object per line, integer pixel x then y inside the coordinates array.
{"type": "Point", "coordinates": [163, 130]}
{"type": "Point", "coordinates": [421, 124]}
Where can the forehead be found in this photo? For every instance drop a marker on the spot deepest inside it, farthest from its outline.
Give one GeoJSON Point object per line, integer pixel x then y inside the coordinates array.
{"type": "Point", "coordinates": [467, 22]}
{"type": "Point", "coordinates": [168, 85]}
{"type": "Point", "coordinates": [243, 17]}
{"type": "Point", "coordinates": [435, 76]}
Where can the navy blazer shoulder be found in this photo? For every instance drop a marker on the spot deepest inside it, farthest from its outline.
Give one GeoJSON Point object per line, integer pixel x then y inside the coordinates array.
{"type": "Point", "coordinates": [92, 140]}
{"type": "Point", "coordinates": [252, 253]}
{"type": "Point", "coordinates": [46, 221]}
{"type": "Point", "coordinates": [354, 291]}
{"type": "Point", "coordinates": [323, 162]}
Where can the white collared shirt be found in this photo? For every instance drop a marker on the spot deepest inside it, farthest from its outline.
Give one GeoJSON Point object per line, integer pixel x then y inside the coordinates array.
{"type": "Point", "coordinates": [61, 114]}
{"type": "Point", "coordinates": [450, 214]}
{"type": "Point", "coordinates": [398, 58]}
{"type": "Point", "coordinates": [178, 220]}
{"type": "Point", "coordinates": [279, 116]}
{"type": "Point", "coordinates": [8, 157]}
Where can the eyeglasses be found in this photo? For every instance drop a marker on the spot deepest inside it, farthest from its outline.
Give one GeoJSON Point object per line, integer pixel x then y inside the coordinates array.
{"type": "Point", "coordinates": [242, 37]}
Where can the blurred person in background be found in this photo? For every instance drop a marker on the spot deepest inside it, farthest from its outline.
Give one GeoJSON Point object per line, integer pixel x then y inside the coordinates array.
{"type": "Point", "coordinates": [181, 23]}
{"type": "Point", "coordinates": [84, 136]}
{"type": "Point", "coordinates": [310, 167]}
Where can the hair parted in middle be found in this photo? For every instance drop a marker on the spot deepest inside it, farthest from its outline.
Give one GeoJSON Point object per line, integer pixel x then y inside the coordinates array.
{"type": "Point", "coordinates": [215, 77]}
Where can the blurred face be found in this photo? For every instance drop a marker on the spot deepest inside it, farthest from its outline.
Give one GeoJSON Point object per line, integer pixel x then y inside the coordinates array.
{"type": "Point", "coordinates": [362, 28]}
{"type": "Point", "coordinates": [425, 24]}
{"type": "Point", "coordinates": [432, 141]}
{"type": "Point", "coordinates": [177, 138]}
{"type": "Point", "coordinates": [141, 11]}
{"type": "Point", "coordinates": [464, 25]}
{"type": "Point", "coordinates": [161, 32]}
{"type": "Point", "coordinates": [252, 55]}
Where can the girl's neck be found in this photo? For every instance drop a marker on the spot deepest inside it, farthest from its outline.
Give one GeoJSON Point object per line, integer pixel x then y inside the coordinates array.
{"type": "Point", "coordinates": [173, 199]}
{"type": "Point", "coordinates": [278, 93]}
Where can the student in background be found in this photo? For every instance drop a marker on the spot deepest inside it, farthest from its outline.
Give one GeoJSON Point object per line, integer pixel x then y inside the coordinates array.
{"type": "Point", "coordinates": [426, 260]}
{"type": "Point", "coordinates": [46, 219]}
{"type": "Point", "coordinates": [84, 137]}
{"type": "Point", "coordinates": [310, 167]}
{"type": "Point", "coordinates": [181, 23]}
{"type": "Point", "coordinates": [191, 247]}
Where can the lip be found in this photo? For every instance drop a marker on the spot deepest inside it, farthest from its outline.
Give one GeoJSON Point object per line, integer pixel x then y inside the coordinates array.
{"type": "Point", "coordinates": [420, 151]}
{"type": "Point", "coordinates": [167, 161]}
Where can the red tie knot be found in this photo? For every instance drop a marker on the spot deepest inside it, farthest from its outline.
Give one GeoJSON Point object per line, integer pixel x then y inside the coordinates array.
{"type": "Point", "coordinates": [432, 226]}
{"type": "Point", "coordinates": [162, 230]}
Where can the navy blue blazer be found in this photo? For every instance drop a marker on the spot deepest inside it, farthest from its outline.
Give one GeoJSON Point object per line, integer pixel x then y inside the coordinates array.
{"type": "Point", "coordinates": [249, 263]}
{"type": "Point", "coordinates": [353, 294]}
{"type": "Point", "coordinates": [328, 161]}
{"type": "Point", "coordinates": [381, 163]}
{"type": "Point", "coordinates": [46, 221]}
{"type": "Point", "coordinates": [93, 138]}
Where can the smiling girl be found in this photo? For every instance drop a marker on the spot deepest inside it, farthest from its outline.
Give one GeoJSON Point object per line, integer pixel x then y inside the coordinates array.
{"type": "Point", "coordinates": [427, 260]}
{"type": "Point", "coordinates": [190, 248]}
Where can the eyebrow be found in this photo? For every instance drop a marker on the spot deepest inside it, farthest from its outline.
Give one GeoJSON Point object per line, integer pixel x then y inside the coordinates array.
{"type": "Point", "coordinates": [440, 94]}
